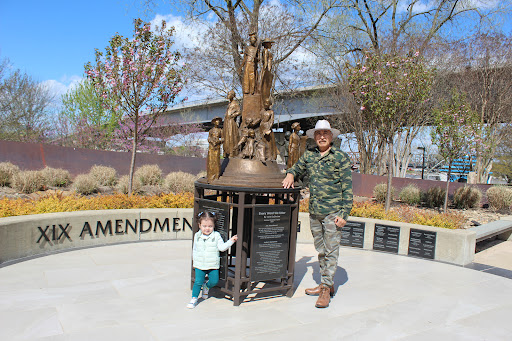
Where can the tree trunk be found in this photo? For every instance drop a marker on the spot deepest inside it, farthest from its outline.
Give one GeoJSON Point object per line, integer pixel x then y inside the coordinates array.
{"type": "Point", "coordinates": [390, 176]}
{"type": "Point", "coordinates": [445, 207]}
{"type": "Point", "coordinates": [134, 153]}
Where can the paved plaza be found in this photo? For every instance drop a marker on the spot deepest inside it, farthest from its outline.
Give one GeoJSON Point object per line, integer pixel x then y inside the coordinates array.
{"type": "Point", "coordinates": [139, 292]}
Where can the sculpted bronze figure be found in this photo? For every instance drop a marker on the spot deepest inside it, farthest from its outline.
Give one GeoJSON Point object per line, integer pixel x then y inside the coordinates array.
{"type": "Point", "coordinates": [214, 141]}
{"type": "Point", "coordinates": [230, 130]}
{"type": "Point", "coordinates": [294, 145]}
{"type": "Point", "coordinates": [250, 149]}
{"type": "Point", "coordinates": [266, 70]}
{"type": "Point", "coordinates": [250, 65]}
{"type": "Point", "coordinates": [247, 144]}
{"type": "Point", "coordinates": [267, 121]}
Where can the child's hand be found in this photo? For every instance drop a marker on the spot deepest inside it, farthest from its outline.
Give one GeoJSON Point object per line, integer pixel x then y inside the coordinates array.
{"type": "Point", "coordinates": [234, 238]}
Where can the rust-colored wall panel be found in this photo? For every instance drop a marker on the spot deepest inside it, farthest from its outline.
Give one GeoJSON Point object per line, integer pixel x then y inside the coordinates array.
{"type": "Point", "coordinates": [34, 156]}
{"type": "Point", "coordinates": [363, 184]}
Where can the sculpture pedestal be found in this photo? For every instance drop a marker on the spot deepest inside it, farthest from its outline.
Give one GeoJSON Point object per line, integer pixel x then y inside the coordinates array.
{"type": "Point", "coordinates": [249, 173]}
{"type": "Point", "coordinates": [265, 220]}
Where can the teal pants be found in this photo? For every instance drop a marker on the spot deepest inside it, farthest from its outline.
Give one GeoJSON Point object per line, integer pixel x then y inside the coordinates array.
{"type": "Point", "coordinates": [213, 279]}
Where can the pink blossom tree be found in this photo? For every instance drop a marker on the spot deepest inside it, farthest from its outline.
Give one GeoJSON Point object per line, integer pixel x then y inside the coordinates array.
{"type": "Point", "coordinates": [391, 91]}
{"type": "Point", "coordinates": [454, 132]}
{"type": "Point", "coordinates": [140, 77]}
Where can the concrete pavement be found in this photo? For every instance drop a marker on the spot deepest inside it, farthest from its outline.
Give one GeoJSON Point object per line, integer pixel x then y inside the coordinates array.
{"type": "Point", "coordinates": [139, 292]}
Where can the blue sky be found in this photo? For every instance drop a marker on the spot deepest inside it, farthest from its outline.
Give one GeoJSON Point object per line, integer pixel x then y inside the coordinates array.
{"type": "Point", "coordinates": [52, 40]}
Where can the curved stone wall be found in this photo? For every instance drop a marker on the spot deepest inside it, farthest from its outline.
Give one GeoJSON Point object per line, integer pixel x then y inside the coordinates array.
{"type": "Point", "coordinates": [36, 235]}
{"type": "Point", "coordinates": [30, 236]}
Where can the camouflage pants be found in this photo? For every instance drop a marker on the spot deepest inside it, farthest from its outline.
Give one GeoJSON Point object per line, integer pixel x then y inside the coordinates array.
{"type": "Point", "coordinates": [327, 237]}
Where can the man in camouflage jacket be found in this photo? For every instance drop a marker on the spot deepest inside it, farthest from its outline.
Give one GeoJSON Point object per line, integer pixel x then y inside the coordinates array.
{"type": "Point", "coordinates": [330, 202]}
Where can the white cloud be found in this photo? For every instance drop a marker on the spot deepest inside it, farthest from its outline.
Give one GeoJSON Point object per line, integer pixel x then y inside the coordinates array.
{"type": "Point", "coordinates": [187, 31]}
{"type": "Point", "coordinates": [62, 86]}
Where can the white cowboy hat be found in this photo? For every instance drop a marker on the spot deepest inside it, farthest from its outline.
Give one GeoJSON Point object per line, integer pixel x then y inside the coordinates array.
{"type": "Point", "coordinates": [322, 125]}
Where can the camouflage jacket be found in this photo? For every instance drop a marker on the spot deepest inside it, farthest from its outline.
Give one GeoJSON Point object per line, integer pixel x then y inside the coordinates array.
{"type": "Point", "coordinates": [330, 181]}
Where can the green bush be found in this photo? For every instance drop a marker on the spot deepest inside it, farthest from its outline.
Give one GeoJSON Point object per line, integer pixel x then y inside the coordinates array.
{"type": "Point", "coordinates": [467, 197]}
{"type": "Point", "coordinates": [434, 197]}
{"type": "Point", "coordinates": [380, 191]}
{"type": "Point", "coordinates": [500, 197]}
{"type": "Point", "coordinates": [7, 171]}
{"type": "Point", "coordinates": [85, 184]}
{"type": "Point", "coordinates": [105, 176]}
{"type": "Point", "coordinates": [28, 181]}
{"type": "Point", "coordinates": [178, 182]}
{"type": "Point", "coordinates": [122, 185]}
{"type": "Point", "coordinates": [410, 195]}
{"type": "Point", "coordinates": [148, 175]}
{"type": "Point", "coordinates": [56, 177]}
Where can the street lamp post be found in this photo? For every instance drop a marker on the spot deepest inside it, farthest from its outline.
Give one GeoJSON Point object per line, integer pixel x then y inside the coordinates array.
{"type": "Point", "coordinates": [423, 163]}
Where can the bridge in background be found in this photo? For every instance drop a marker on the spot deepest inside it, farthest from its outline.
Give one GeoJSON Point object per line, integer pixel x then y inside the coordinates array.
{"type": "Point", "coordinates": [293, 106]}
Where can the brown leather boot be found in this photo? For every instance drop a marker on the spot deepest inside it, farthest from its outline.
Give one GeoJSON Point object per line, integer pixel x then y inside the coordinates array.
{"type": "Point", "coordinates": [324, 298]}
{"type": "Point", "coordinates": [316, 291]}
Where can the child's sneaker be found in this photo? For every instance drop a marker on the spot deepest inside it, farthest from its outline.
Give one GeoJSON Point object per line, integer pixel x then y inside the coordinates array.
{"type": "Point", "coordinates": [192, 304]}
{"type": "Point", "coordinates": [206, 290]}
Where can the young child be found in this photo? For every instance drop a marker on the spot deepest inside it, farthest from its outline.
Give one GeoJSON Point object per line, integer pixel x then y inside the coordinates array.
{"type": "Point", "coordinates": [206, 256]}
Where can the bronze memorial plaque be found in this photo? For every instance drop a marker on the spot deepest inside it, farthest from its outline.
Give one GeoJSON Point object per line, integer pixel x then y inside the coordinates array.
{"type": "Point", "coordinates": [221, 211]}
{"type": "Point", "coordinates": [352, 234]}
{"type": "Point", "coordinates": [270, 242]}
{"type": "Point", "coordinates": [386, 238]}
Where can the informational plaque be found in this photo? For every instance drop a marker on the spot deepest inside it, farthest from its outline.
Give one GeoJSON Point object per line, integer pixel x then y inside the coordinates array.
{"type": "Point", "coordinates": [386, 238]}
{"type": "Point", "coordinates": [270, 242]}
{"type": "Point", "coordinates": [352, 234]}
{"type": "Point", "coordinates": [422, 243]}
{"type": "Point", "coordinates": [221, 211]}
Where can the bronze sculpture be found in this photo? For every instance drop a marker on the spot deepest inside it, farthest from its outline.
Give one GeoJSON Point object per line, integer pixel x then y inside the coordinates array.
{"type": "Point", "coordinates": [230, 129]}
{"type": "Point", "coordinates": [250, 154]}
{"type": "Point", "coordinates": [294, 146]}
{"type": "Point", "coordinates": [214, 141]}
{"type": "Point", "coordinates": [250, 65]}
{"type": "Point", "coordinates": [266, 70]}
{"type": "Point", "coordinates": [246, 143]}
{"type": "Point", "coordinates": [267, 121]}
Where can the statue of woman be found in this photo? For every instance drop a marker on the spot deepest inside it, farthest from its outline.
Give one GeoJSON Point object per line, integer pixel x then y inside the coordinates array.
{"type": "Point", "coordinates": [214, 141]}
{"type": "Point", "coordinates": [267, 121]}
{"type": "Point", "coordinates": [294, 146]}
{"type": "Point", "coordinates": [266, 71]}
{"type": "Point", "coordinates": [230, 130]}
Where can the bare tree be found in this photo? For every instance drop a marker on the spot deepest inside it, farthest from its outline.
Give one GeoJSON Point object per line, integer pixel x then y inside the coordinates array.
{"type": "Point", "coordinates": [481, 67]}
{"type": "Point", "coordinates": [216, 64]}
{"type": "Point", "coordinates": [24, 106]}
{"type": "Point", "coordinates": [394, 27]}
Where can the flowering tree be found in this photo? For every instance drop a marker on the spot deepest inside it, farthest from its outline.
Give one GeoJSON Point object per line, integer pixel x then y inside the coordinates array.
{"type": "Point", "coordinates": [391, 91]}
{"type": "Point", "coordinates": [139, 77]}
{"type": "Point", "coordinates": [453, 132]}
